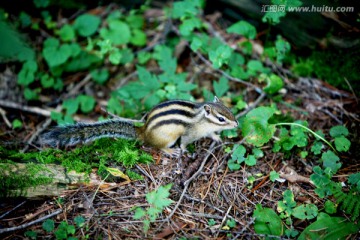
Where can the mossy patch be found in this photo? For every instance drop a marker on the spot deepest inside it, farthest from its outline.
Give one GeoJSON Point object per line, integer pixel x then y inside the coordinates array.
{"type": "Point", "coordinates": [83, 159]}
{"type": "Point", "coordinates": [332, 67]}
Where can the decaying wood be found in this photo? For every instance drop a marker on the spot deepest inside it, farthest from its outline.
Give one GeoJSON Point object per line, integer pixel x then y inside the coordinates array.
{"type": "Point", "coordinates": [62, 180]}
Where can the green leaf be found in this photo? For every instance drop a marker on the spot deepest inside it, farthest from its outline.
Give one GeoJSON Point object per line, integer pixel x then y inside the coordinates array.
{"type": "Point", "coordinates": [70, 229]}
{"type": "Point", "coordinates": [250, 160]}
{"type": "Point", "coordinates": [138, 38]}
{"type": "Point", "coordinates": [100, 75]}
{"type": "Point", "coordinates": [75, 49]}
{"type": "Point", "coordinates": [303, 154]}
{"type": "Point", "coordinates": [25, 19]}
{"type": "Point", "coordinates": [27, 73]}
{"type": "Point", "coordinates": [220, 56]}
{"type": "Point", "coordinates": [273, 17]}
{"type": "Point", "coordinates": [56, 116]}
{"type": "Point", "coordinates": [71, 106]}
{"type": "Point", "coordinates": [82, 62]}
{"type": "Point", "coordinates": [143, 57]}
{"type": "Point", "coordinates": [61, 234]}
{"type": "Point", "coordinates": [354, 179]}
{"type": "Point", "coordinates": [105, 46]}
{"type": "Point", "coordinates": [236, 60]}
{"type": "Point", "coordinates": [118, 32]}
{"type": "Point", "coordinates": [87, 24]}
{"type": "Point", "coordinates": [221, 87]}
{"type": "Point", "coordinates": [254, 67]}
{"type": "Point", "coordinates": [342, 144]}
{"type": "Point", "coordinates": [322, 181]}
{"type": "Point", "coordinates": [31, 234]}
{"type": "Point", "coordinates": [115, 56]}
{"type": "Point", "coordinates": [241, 105]}
{"type": "Point", "coordinates": [79, 221]}
{"type": "Point", "coordinates": [127, 55]}
{"type": "Point", "coordinates": [339, 131]}
{"type": "Point", "coordinates": [331, 161]}
{"type": "Point", "coordinates": [48, 225]}
{"type": "Point", "coordinates": [278, 9]}
{"type": "Point", "coordinates": [186, 8]}
{"type": "Point", "coordinates": [258, 153]}
{"type": "Point", "coordinates": [55, 54]}
{"type": "Point", "coordinates": [16, 124]}
{"type": "Point", "coordinates": [267, 221]}
{"type": "Point", "coordinates": [87, 103]}
{"type": "Point", "coordinates": [139, 213]}
{"type": "Point", "coordinates": [288, 203]}
{"type": "Point", "coordinates": [211, 222]}
{"type": "Point", "coordinates": [166, 61]}
{"type": "Point", "coordinates": [274, 83]}
{"type": "Point", "coordinates": [67, 33]}
{"type": "Point", "coordinates": [159, 198]}
{"type": "Point", "coordinates": [41, 3]}
{"type": "Point", "coordinates": [233, 165]}
{"type": "Point", "coordinates": [196, 43]}
{"type": "Point", "coordinates": [243, 28]}
{"type": "Point", "coordinates": [31, 94]}
{"type": "Point", "coordinates": [135, 21]}
{"type": "Point", "coordinates": [231, 223]}
{"type": "Point", "coordinates": [188, 25]}
{"type": "Point", "coordinates": [256, 128]}
{"type": "Point", "coordinates": [149, 80]}
{"type": "Point", "coordinates": [326, 227]}
{"type": "Point", "coordinates": [146, 225]}
{"type": "Point", "coordinates": [274, 175]}
{"type": "Point", "coordinates": [330, 207]}
{"type": "Point", "coordinates": [152, 100]}
{"type": "Point", "coordinates": [305, 211]}
{"type": "Point", "coordinates": [239, 153]}
{"type": "Point", "coordinates": [185, 86]}
{"type": "Point", "coordinates": [47, 81]}
{"type": "Point", "coordinates": [282, 48]}
{"type": "Point", "coordinates": [316, 147]}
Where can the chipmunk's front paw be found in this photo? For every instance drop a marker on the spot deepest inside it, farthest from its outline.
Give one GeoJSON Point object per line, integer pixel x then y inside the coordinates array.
{"type": "Point", "coordinates": [215, 137]}
{"type": "Point", "coordinates": [173, 152]}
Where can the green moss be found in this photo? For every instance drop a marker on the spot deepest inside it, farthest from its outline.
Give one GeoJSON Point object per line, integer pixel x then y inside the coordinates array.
{"type": "Point", "coordinates": [100, 154]}
{"type": "Point", "coordinates": [331, 66]}
{"type": "Point", "coordinates": [18, 178]}
{"type": "Point", "coordinates": [133, 175]}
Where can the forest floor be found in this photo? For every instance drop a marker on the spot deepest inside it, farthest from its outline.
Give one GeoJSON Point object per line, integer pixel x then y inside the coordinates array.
{"type": "Point", "coordinates": [203, 188]}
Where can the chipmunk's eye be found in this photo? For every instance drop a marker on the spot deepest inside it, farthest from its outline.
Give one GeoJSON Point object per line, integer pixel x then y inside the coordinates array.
{"type": "Point", "coordinates": [221, 119]}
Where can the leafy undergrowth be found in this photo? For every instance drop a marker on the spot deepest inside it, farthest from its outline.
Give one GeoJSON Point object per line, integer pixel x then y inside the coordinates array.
{"type": "Point", "coordinates": [289, 171]}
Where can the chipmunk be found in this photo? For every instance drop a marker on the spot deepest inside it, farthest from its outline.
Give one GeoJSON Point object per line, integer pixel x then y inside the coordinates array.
{"type": "Point", "coordinates": [168, 123]}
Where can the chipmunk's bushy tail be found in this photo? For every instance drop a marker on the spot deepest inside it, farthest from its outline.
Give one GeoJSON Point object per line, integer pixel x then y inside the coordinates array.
{"type": "Point", "coordinates": [73, 134]}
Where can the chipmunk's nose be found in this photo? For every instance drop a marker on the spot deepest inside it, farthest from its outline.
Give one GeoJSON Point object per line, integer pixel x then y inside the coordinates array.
{"type": "Point", "coordinates": [236, 123]}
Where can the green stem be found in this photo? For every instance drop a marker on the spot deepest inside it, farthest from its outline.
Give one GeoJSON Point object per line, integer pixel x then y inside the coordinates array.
{"type": "Point", "coordinates": [308, 129]}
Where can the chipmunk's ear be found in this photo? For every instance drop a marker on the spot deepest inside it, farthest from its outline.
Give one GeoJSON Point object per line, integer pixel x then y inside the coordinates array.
{"type": "Point", "coordinates": [216, 100]}
{"type": "Point", "coordinates": [207, 109]}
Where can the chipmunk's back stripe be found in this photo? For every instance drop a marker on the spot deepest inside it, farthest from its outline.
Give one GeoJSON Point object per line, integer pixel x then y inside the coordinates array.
{"type": "Point", "coordinates": [169, 122]}
{"type": "Point", "coordinates": [174, 112]}
{"type": "Point", "coordinates": [176, 102]}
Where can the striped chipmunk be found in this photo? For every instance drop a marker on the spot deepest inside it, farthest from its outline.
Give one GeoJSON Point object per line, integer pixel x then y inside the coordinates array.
{"type": "Point", "coordinates": [167, 124]}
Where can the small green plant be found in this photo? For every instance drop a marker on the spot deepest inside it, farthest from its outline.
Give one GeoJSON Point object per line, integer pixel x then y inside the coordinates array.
{"type": "Point", "coordinates": [258, 130]}
{"type": "Point", "coordinates": [82, 102]}
{"type": "Point", "coordinates": [277, 10]}
{"type": "Point", "coordinates": [238, 157]}
{"type": "Point", "coordinates": [211, 222]}
{"type": "Point", "coordinates": [17, 124]}
{"type": "Point", "coordinates": [158, 200]}
{"type": "Point", "coordinates": [267, 221]}
{"type": "Point", "coordinates": [63, 231]}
